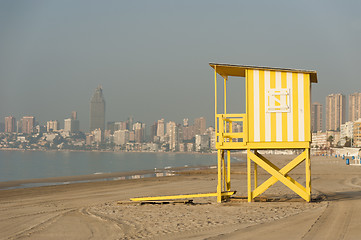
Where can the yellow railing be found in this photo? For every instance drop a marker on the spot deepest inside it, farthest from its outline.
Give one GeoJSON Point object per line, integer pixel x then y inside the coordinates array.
{"type": "Point", "coordinates": [225, 136]}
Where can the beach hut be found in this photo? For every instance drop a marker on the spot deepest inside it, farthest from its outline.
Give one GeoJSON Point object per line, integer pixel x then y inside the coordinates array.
{"type": "Point", "coordinates": [277, 116]}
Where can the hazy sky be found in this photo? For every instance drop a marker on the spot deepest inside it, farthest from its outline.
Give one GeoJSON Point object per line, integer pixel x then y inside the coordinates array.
{"type": "Point", "coordinates": [151, 57]}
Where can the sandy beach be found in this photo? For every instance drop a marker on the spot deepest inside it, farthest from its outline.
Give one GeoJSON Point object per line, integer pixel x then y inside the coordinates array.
{"type": "Point", "coordinates": [91, 210]}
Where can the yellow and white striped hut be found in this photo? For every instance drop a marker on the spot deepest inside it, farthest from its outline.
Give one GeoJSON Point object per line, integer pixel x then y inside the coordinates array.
{"type": "Point", "coordinates": [277, 116]}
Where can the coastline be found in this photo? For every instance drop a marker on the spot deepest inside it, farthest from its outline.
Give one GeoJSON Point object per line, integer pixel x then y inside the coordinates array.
{"type": "Point", "coordinates": [129, 175]}
{"type": "Point", "coordinates": [90, 209]}
{"type": "Point", "coordinates": [109, 151]}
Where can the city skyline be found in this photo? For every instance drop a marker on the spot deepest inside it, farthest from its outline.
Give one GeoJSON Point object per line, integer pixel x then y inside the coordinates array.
{"type": "Point", "coordinates": [319, 122]}
{"type": "Point", "coordinates": [132, 134]}
{"type": "Point", "coordinates": [153, 61]}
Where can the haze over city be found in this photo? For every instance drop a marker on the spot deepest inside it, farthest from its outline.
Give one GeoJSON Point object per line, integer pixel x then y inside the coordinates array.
{"type": "Point", "coordinates": [151, 58]}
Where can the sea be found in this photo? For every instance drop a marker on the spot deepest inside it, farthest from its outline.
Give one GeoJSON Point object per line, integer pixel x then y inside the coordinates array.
{"type": "Point", "coordinates": [23, 165]}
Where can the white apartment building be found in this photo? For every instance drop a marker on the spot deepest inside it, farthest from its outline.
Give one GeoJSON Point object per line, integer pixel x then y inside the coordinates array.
{"type": "Point", "coordinates": [172, 133]}
{"type": "Point", "coordinates": [346, 132]}
{"type": "Point", "coordinates": [202, 142]}
{"type": "Point", "coordinates": [121, 137]}
{"type": "Point", "coordinates": [52, 126]}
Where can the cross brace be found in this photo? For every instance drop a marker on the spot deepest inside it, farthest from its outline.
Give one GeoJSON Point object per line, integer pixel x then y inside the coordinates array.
{"type": "Point", "coordinates": [279, 175]}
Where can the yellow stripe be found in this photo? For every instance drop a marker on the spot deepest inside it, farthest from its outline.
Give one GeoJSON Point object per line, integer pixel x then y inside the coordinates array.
{"type": "Point", "coordinates": [307, 97]}
{"type": "Point", "coordinates": [246, 123]}
{"type": "Point", "coordinates": [262, 105]}
{"type": "Point", "coordinates": [250, 96]}
{"type": "Point", "coordinates": [273, 115]}
{"type": "Point", "coordinates": [295, 105]}
{"type": "Point", "coordinates": [284, 114]}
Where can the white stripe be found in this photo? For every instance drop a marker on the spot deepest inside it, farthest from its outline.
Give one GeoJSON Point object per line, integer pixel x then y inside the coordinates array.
{"type": "Point", "coordinates": [290, 114]}
{"type": "Point", "coordinates": [278, 114]}
{"type": "Point", "coordinates": [267, 84]}
{"type": "Point", "coordinates": [301, 109]}
{"type": "Point", "coordinates": [257, 130]}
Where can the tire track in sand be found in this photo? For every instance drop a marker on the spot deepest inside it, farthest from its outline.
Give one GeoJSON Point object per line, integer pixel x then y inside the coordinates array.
{"type": "Point", "coordinates": [341, 217]}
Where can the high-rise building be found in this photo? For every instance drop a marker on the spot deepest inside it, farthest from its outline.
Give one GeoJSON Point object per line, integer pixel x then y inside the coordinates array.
{"type": "Point", "coordinates": [130, 122]}
{"type": "Point", "coordinates": [52, 126]}
{"type": "Point", "coordinates": [28, 124]}
{"type": "Point", "coordinates": [97, 110]}
{"type": "Point", "coordinates": [120, 126]}
{"type": "Point", "coordinates": [173, 136]}
{"type": "Point", "coordinates": [131, 136]}
{"type": "Point", "coordinates": [160, 128]}
{"type": "Point", "coordinates": [121, 137]}
{"type": "Point", "coordinates": [74, 115]}
{"type": "Point", "coordinates": [202, 142]}
{"type": "Point", "coordinates": [316, 117]}
{"type": "Point", "coordinates": [111, 127]}
{"type": "Point", "coordinates": [354, 106]}
{"type": "Point", "coordinates": [139, 132]}
{"type": "Point", "coordinates": [357, 133]}
{"type": "Point", "coordinates": [188, 133]}
{"type": "Point", "coordinates": [335, 111]}
{"type": "Point", "coordinates": [71, 125]}
{"type": "Point", "coordinates": [98, 135]}
{"type": "Point", "coordinates": [212, 135]}
{"type": "Point", "coordinates": [19, 125]}
{"type": "Point", "coordinates": [346, 133]}
{"type": "Point", "coordinates": [199, 126]}
{"type": "Point", "coordinates": [185, 122]}
{"type": "Point", "coordinates": [153, 131]}
{"type": "Point", "coordinates": [10, 124]}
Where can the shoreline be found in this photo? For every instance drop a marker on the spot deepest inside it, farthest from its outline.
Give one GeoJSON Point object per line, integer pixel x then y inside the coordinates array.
{"type": "Point", "coordinates": [103, 209]}
{"type": "Point", "coordinates": [88, 178]}
{"type": "Point", "coordinates": [106, 151]}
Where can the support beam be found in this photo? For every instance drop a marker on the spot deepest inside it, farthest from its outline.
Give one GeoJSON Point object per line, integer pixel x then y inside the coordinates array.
{"type": "Point", "coordinates": [255, 172]}
{"type": "Point", "coordinates": [284, 171]}
{"type": "Point", "coordinates": [223, 172]}
{"type": "Point", "coordinates": [228, 170]}
{"type": "Point", "coordinates": [225, 95]}
{"type": "Point", "coordinates": [249, 175]}
{"type": "Point", "coordinates": [159, 198]}
{"type": "Point", "coordinates": [275, 172]}
{"type": "Point", "coordinates": [219, 185]}
{"type": "Point", "coordinates": [255, 176]}
{"type": "Point", "coordinates": [215, 98]}
{"type": "Point", "coordinates": [308, 173]}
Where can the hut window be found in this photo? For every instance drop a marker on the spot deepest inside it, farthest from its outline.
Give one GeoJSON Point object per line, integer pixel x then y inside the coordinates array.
{"type": "Point", "coordinates": [278, 100]}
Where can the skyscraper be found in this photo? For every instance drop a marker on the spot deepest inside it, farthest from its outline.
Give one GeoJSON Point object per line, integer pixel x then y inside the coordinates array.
{"type": "Point", "coordinates": [139, 131]}
{"type": "Point", "coordinates": [160, 128]}
{"type": "Point", "coordinates": [354, 106]}
{"type": "Point", "coordinates": [173, 136]}
{"type": "Point", "coordinates": [185, 122]}
{"type": "Point", "coordinates": [74, 115]}
{"type": "Point", "coordinates": [199, 126]}
{"type": "Point", "coordinates": [10, 124]}
{"type": "Point", "coordinates": [335, 111]}
{"type": "Point", "coordinates": [28, 124]}
{"type": "Point", "coordinates": [316, 117]}
{"type": "Point", "coordinates": [153, 131]}
{"type": "Point", "coordinates": [52, 126]}
{"type": "Point", "coordinates": [97, 110]}
{"type": "Point", "coordinates": [71, 125]}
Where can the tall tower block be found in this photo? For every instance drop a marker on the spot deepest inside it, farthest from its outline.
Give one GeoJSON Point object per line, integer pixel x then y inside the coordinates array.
{"type": "Point", "coordinates": [335, 111]}
{"type": "Point", "coordinates": [316, 117]}
{"type": "Point", "coordinates": [97, 110]}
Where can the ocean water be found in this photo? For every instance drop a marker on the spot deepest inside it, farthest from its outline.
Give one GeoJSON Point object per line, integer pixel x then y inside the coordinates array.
{"type": "Point", "coordinates": [22, 165]}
